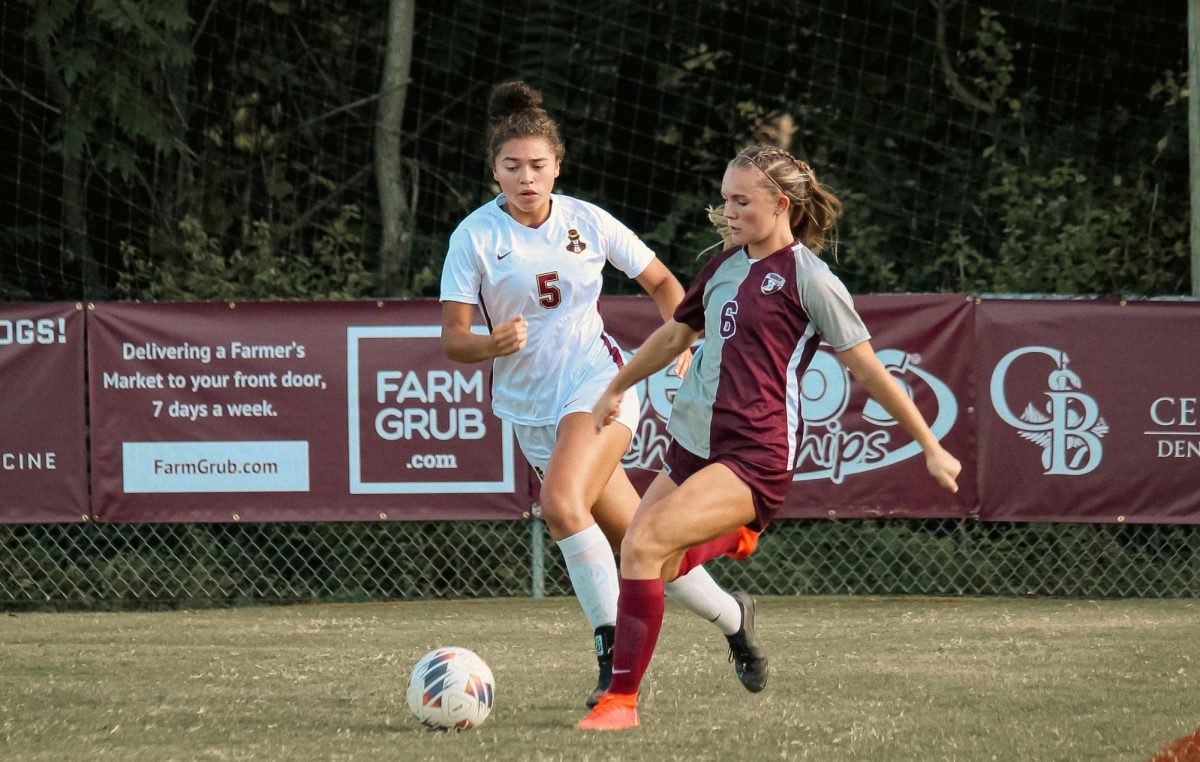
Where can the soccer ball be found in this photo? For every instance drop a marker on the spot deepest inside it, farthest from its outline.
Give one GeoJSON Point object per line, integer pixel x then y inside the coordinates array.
{"type": "Point", "coordinates": [451, 688]}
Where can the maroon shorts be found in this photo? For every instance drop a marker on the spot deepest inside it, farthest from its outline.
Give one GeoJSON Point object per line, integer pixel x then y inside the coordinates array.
{"type": "Point", "coordinates": [769, 488]}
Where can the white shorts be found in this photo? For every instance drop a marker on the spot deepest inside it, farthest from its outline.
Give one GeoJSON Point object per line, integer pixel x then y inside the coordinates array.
{"type": "Point", "coordinates": [537, 442]}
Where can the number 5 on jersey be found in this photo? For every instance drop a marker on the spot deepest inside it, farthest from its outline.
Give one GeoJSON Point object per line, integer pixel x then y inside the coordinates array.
{"type": "Point", "coordinates": [549, 295]}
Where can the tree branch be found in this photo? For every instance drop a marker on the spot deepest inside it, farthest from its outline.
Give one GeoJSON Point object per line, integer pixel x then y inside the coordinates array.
{"type": "Point", "coordinates": [22, 91]}
{"type": "Point", "coordinates": [957, 90]}
{"type": "Point", "coordinates": [329, 198]}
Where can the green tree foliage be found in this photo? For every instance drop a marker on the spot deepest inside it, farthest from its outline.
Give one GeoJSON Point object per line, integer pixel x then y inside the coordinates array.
{"type": "Point", "coordinates": [1001, 146]}
{"type": "Point", "coordinates": [113, 103]}
{"type": "Point", "coordinates": [216, 143]}
{"type": "Point", "coordinates": [334, 269]}
{"type": "Point", "coordinates": [106, 105]}
{"type": "Point", "coordinates": [1071, 221]}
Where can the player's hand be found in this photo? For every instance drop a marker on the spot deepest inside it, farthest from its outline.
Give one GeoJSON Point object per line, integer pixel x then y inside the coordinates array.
{"type": "Point", "coordinates": [606, 409]}
{"type": "Point", "coordinates": [682, 363]}
{"type": "Point", "coordinates": [509, 337]}
{"type": "Point", "coordinates": [944, 468]}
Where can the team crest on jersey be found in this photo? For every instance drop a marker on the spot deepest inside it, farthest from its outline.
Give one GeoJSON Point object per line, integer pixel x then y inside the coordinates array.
{"type": "Point", "coordinates": [772, 283]}
{"type": "Point", "coordinates": [574, 242]}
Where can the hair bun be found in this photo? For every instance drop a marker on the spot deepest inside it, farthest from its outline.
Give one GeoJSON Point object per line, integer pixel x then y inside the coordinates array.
{"type": "Point", "coordinates": [510, 98]}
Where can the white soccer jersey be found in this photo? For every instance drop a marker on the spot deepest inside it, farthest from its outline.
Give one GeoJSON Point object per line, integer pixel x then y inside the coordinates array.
{"type": "Point", "coordinates": [551, 274]}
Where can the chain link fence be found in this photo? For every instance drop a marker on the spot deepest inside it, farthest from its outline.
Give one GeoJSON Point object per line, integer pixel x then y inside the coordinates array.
{"type": "Point", "coordinates": [108, 566]}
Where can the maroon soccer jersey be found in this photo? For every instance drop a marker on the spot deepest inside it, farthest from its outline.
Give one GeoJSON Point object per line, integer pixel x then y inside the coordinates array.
{"type": "Point", "coordinates": [762, 322]}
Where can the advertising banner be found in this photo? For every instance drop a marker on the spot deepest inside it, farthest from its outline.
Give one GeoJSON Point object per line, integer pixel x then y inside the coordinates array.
{"type": "Point", "coordinates": [855, 461]}
{"type": "Point", "coordinates": [1088, 410]}
{"type": "Point", "coordinates": [290, 411]}
{"type": "Point", "coordinates": [1060, 410]}
{"type": "Point", "coordinates": [43, 442]}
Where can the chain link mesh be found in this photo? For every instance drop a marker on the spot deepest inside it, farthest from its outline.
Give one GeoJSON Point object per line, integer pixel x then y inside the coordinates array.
{"type": "Point", "coordinates": [130, 565]}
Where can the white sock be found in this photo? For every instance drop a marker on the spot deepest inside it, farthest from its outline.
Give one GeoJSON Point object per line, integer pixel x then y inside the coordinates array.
{"type": "Point", "coordinates": [593, 573]}
{"type": "Point", "coordinates": [701, 594]}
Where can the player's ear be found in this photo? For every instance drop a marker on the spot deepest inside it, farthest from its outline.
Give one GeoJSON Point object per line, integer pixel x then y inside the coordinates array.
{"type": "Point", "coordinates": [557, 167]}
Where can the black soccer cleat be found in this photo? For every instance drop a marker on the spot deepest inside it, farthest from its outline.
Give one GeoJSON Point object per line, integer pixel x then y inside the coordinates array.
{"type": "Point", "coordinates": [605, 634]}
{"type": "Point", "coordinates": [748, 658]}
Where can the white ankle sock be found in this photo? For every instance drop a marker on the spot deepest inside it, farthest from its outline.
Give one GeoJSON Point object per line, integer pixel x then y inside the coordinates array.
{"type": "Point", "coordinates": [701, 594]}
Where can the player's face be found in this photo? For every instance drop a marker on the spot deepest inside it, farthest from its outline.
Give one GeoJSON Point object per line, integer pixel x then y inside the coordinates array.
{"type": "Point", "coordinates": [749, 208]}
{"type": "Point", "coordinates": [526, 169]}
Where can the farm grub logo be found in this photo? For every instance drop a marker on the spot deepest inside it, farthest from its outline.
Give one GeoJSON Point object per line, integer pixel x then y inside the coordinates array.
{"type": "Point", "coordinates": [825, 450]}
{"type": "Point", "coordinates": [429, 405]}
{"type": "Point", "coordinates": [1068, 427]}
{"type": "Point", "coordinates": [421, 425]}
{"type": "Point", "coordinates": [574, 243]}
{"type": "Point", "coordinates": [772, 283]}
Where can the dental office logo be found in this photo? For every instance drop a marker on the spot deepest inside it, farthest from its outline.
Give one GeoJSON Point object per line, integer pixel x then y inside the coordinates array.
{"type": "Point", "coordinates": [1068, 427]}
{"type": "Point", "coordinates": [825, 450]}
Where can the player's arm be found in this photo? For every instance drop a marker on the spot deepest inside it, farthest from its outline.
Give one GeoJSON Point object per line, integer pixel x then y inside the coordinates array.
{"type": "Point", "coordinates": [664, 288]}
{"type": "Point", "coordinates": [667, 342]}
{"type": "Point", "coordinates": [461, 345]}
{"type": "Point", "coordinates": [869, 371]}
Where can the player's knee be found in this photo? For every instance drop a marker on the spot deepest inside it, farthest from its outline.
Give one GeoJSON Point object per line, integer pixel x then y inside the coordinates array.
{"type": "Point", "coordinates": [563, 512]}
{"type": "Point", "coordinates": [640, 546]}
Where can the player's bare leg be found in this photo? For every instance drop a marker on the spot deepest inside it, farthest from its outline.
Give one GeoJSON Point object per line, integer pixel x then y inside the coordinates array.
{"type": "Point", "coordinates": [712, 503]}
{"type": "Point", "coordinates": [615, 507]}
{"type": "Point", "coordinates": [579, 470]}
{"type": "Point", "coordinates": [587, 502]}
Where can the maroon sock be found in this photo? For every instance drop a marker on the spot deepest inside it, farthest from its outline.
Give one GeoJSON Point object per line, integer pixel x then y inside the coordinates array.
{"type": "Point", "coordinates": [707, 551]}
{"type": "Point", "coordinates": [639, 618]}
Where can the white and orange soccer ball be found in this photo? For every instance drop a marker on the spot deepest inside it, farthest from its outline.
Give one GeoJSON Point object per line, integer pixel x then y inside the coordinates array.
{"type": "Point", "coordinates": [451, 688]}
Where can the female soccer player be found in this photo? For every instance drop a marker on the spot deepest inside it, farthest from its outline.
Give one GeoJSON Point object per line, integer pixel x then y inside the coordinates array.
{"type": "Point", "coordinates": [531, 261]}
{"type": "Point", "coordinates": [764, 305]}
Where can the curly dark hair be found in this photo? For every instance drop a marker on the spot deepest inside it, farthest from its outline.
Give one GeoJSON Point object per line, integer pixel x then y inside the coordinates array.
{"type": "Point", "coordinates": [515, 111]}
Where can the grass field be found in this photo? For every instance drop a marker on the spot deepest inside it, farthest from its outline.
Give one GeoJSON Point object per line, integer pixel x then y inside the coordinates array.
{"type": "Point", "coordinates": [852, 679]}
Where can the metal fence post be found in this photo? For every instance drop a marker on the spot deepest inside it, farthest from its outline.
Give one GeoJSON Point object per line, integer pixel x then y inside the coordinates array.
{"type": "Point", "coordinates": [537, 547]}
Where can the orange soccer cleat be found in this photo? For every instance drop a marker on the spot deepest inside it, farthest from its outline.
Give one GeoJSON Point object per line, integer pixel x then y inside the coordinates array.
{"type": "Point", "coordinates": [747, 542]}
{"type": "Point", "coordinates": [616, 711]}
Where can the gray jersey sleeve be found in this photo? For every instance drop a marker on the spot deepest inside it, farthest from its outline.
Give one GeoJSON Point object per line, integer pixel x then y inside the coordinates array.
{"type": "Point", "coordinates": [830, 307]}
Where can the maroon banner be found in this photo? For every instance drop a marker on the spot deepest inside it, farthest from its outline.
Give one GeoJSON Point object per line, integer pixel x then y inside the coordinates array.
{"type": "Point", "coordinates": [290, 411]}
{"type": "Point", "coordinates": [1060, 410]}
{"type": "Point", "coordinates": [43, 442]}
{"type": "Point", "coordinates": [1088, 410]}
{"type": "Point", "coordinates": [854, 460]}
